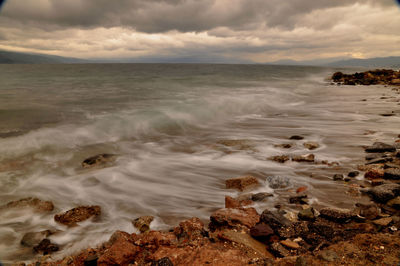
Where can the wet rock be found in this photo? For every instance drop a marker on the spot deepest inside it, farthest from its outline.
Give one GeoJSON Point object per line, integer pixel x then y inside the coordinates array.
{"type": "Point", "coordinates": [290, 244]}
{"type": "Point", "coordinates": [34, 203]}
{"type": "Point", "coordinates": [45, 247]}
{"type": "Point", "coordinates": [261, 231]}
{"type": "Point", "coordinates": [155, 239]}
{"type": "Point", "coordinates": [231, 202]}
{"type": "Point", "coordinates": [248, 242]}
{"type": "Point", "coordinates": [296, 137]}
{"type": "Point", "coordinates": [309, 158]}
{"type": "Point", "coordinates": [307, 214]}
{"type": "Point", "coordinates": [368, 211]}
{"type": "Point", "coordinates": [301, 189]}
{"type": "Point", "coordinates": [383, 221]}
{"type": "Point", "coordinates": [279, 158]}
{"type": "Point", "coordinates": [380, 160]}
{"type": "Point", "coordinates": [242, 183]}
{"type": "Point", "coordinates": [162, 262]}
{"type": "Point", "coordinates": [380, 147]}
{"type": "Point", "coordinates": [394, 203]}
{"type": "Point", "coordinates": [300, 199]}
{"type": "Point", "coordinates": [276, 182]}
{"type": "Point", "coordinates": [338, 177]}
{"type": "Point", "coordinates": [143, 223]}
{"type": "Point", "coordinates": [353, 174]}
{"type": "Point", "coordinates": [247, 217]}
{"type": "Point", "coordinates": [99, 160]}
{"type": "Point", "coordinates": [191, 230]}
{"type": "Point", "coordinates": [32, 239]}
{"type": "Point", "coordinates": [274, 220]}
{"type": "Point", "coordinates": [121, 252]}
{"type": "Point", "coordinates": [377, 182]}
{"type": "Point", "coordinates": [392, 173]}
{"type": "Point", "coordinates": [311, 145]}
{"type": "Point", "coordinates": [336, 215]}
{"type": "Point", "coordinates": [79, 214]}
{"type": "Point", "coordinates": [261, 196]}
{"type": "Point", "coordinates": [391, 165]}
{"type": "Point", "coordinates": [373, 156]}
{"type": "Point", "coordinates": [284, 145]}
{"type": "Point", "coordinates": [374, 173]}
{"type": "Point", "coordinates": [278, 250]}
{"type": "Point", "coordinates": [328, 255]}
{"type": "Point", "coordinates": [91, 260]}
{"type": "Point", "coordinates": [385, 192]}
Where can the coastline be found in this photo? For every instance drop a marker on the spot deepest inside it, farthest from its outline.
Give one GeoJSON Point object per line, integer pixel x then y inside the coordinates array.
{"type": "Point", "coordinates": [231, 235]}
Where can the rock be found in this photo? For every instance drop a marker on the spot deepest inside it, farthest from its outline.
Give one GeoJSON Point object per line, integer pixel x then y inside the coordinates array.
{"type": "Point", "coordinates": [328, 255]}
{"type": "Point", "coordinates": [99, 159]}
{"type": "Point", "coordinates": [301, 189]}
{"type": "Point", "coordinates": [121, 252]}
{"type": "Point", "coordinates": [91, 260]}
{"type": "Point", "coordinates": [385, 192]}
{"type": "Point", "coordinates": [309, 158]}
{"type": "Point", "coordinates": [338, 177]}
{"type": "Point", "coordinates": [337, 76]}
{"type": "Point", "coordinates": [296, 137]}
{"type": "Point", "coordinates": [380, 160]}
{"type": "Point", "coordinates": [276, 182]}
{"type": "Point", "coordinates": [261, 231]}
{"type": "Point", "coordinates": [392, 173]}
{"type": "Point", "coordinates": [242, 183]}
{"type": "Point", "coordinates": [290, 244]}
{"type": "Point", "coordinates": [307, 214]}
{"type": "Point", "coordinates": [79, 214]}
{"type": "Point", "coordinates": [301, 261]}
{"type": "Point", "coordinates": [380, 147]}
{"type": "Point", "coordinates": [353, 174]}
{"type": "Point", "coordinates": [231, 202]}
{"type": "Point", "coordinates": [377, 182]}
{"type": "Point", "coordinates": [284, 145]}
{"type": "Point", "coordinates": [274, 220]}
{"type": "Point", "coordinates": [311, 145]}
{"type": "Point", "coordinates": [300, 199]}
{"type": "Point", "coordinates": [394, 203]}
{"type": "Point", "coordinates": [248, 242]}
{"type": "Point", "coordinates": [373, 156]}
{"type": "Point", "coordinates": [279, 158]}
{"type": "Point", "coordinates": [162, 262]}
{"type": "Point", "coordinates": [143, 223]}
{"type": "Point", "coordinates": [278, 250]}
{"type": "Point", "coordinates": [374, 173]}
{"type": "Point", "coordinates": [34, 203]}
{"type": "Point", "coordinates": [34, 238]}
{"type": "Point", "coordinates": [391, 165]}
{"type": "Point", "coordinates": [191, 230]}
{"type": "Point", "coordinates": [336, 215]}
{"type": "Point", "coordinates": [247, 217]}
{"type": "Point", "coordinates": [45, 247]}
{"type": "Point", "coordinates": [368, 211]}
{"type": "Point", "coordinates": [383, 221]}
{"type": "Point", "coordinates": [261, 196]}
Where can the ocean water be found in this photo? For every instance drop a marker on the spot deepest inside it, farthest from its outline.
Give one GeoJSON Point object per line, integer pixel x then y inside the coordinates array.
{"type": "Point", "coordinates": [170, 127]}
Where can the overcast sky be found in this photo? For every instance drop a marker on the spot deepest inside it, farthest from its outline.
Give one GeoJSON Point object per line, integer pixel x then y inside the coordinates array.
{"type": "Point", "coordinates": [227, 30]}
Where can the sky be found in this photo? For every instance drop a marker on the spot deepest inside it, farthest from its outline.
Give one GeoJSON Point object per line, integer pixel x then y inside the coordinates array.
{"type": "Point", "coordinates": [255, 31]}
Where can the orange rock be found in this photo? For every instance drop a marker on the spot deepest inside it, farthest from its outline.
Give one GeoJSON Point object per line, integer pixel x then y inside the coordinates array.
{"type": "Point", "coordinates": [247, 217]}
{"type": "Point", "coordinates": [242, 183]}
{"type": "Point", "coordinates": [231, 202]}
{"type": "Point", "coordinates": [301, 189]}
{"type": "Point", "coordinates": [121, 252]}
{"type": "Point", "coordinates": [290, 244]}
{"type": "Point", "coordinates": [374, 173]}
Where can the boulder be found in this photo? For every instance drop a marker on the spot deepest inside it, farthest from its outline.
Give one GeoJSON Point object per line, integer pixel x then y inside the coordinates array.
{"type": "Point", "coordinates": [240, 217]}
{"type": "Point", "coordinates": [143, 223]}
{"type": "Point", "coordinates": [79, 214]}
{"type": "Point", "coordinates": [121, 252]}
{"type": "Point", "coordinates": [45, 247]}
{"type": "Point", "coordinates": [336, 215]}
{"type": "Point", "coordinates": [191, 230]}
{"type": "Point", "coordinates": [261, 231]}
{"type": "Point", "coordinates": [242, 183]}
{"type": "Point", "coordinates": [380, 147]}
{"type": "Point", "coordinates": [275, 220]}
{"type": "Point", "coordinates": [99, 160]}
{"type": "Point", "coordinates": [368, 211]}
{"type": "Point", "coordinates": [385, 192]}
{"type": "Point", "coordinates": [392, 173]}
{"type": "Point", "coordinates": [35, 204]}
{"type": "Point", "coordinates": [231, 202]}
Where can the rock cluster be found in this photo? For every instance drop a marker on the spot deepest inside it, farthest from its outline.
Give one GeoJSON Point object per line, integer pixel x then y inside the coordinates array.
{"type": "Point", "coordinates": [374, 77]}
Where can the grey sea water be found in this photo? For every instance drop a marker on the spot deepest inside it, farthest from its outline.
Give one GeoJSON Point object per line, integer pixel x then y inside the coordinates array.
{"type": "Point", "coordinates": [170, 125]}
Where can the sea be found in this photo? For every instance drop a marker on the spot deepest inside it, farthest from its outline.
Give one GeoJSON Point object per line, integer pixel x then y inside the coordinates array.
{"type": "Point", "coordinates": [178, 132]}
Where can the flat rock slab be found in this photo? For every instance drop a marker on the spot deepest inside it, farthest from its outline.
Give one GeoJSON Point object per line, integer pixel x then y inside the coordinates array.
{"type": "Point", "coordinates": [247, 241]}
{"type": "Point", "coordinates": [385, 192]}
{"type": "Point", "coordinates": [34, 203]}
{"type": "Point", "coordinates": [79, 214]}
{"type": "Point", "coordinates": [392, 173]}
{"type": "Point", "coordinates": [242, 183]}
{"type": "Point", "coordinates": [380, 147]}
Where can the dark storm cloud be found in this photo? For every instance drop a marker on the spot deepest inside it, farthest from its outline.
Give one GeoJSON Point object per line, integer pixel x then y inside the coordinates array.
{"type": "Point", "coordinates": [164, 15]}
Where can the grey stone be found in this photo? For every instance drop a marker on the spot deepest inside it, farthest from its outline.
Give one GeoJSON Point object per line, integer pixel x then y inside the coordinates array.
{"type": "Point", "coordinates": [385, 192]}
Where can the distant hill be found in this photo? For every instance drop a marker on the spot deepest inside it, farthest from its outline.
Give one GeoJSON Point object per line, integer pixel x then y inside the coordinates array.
{"type": "Point", "coordinates": [7, 57]}
{"type": "Point", "coordinates": [378, 62]}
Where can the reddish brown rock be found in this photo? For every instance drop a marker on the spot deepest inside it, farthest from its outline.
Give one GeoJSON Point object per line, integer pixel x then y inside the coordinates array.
{"type": "Point", "coordinates": [247, 217]}
{"type": "Point", "coordinates": [301, 189]}
{"type": "Point", "coordinates": [191, 229]}
{"type": "Point", "coordinates": [79, 214]}
{"type": "Point", "coordinates": [143, 223]}
{"type": "Point", "coordinates": [311, 145]}
{"type": "Point", "coordinates": [154, 239]}
{"type": "Point", "coordinates": [34, 203]}
{"type": "Point", "coordinates": [231, 202]}
{"type": "Point", "coordinates": [121, 252]}
{"type": "Point", "coordinates": [242, 183]}
{"type": "Point", "coordinates": [279, 158]}
{"type": "Point", "coordinates": [261, 231]}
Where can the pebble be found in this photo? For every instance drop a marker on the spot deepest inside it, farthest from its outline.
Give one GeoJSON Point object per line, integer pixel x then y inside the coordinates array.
{"type": "Point", "coordinates": [290, 244]}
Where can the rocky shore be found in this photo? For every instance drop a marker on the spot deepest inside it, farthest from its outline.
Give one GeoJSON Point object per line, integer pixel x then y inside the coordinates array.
{"type": "Point", "coordinates": [367, 234]}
